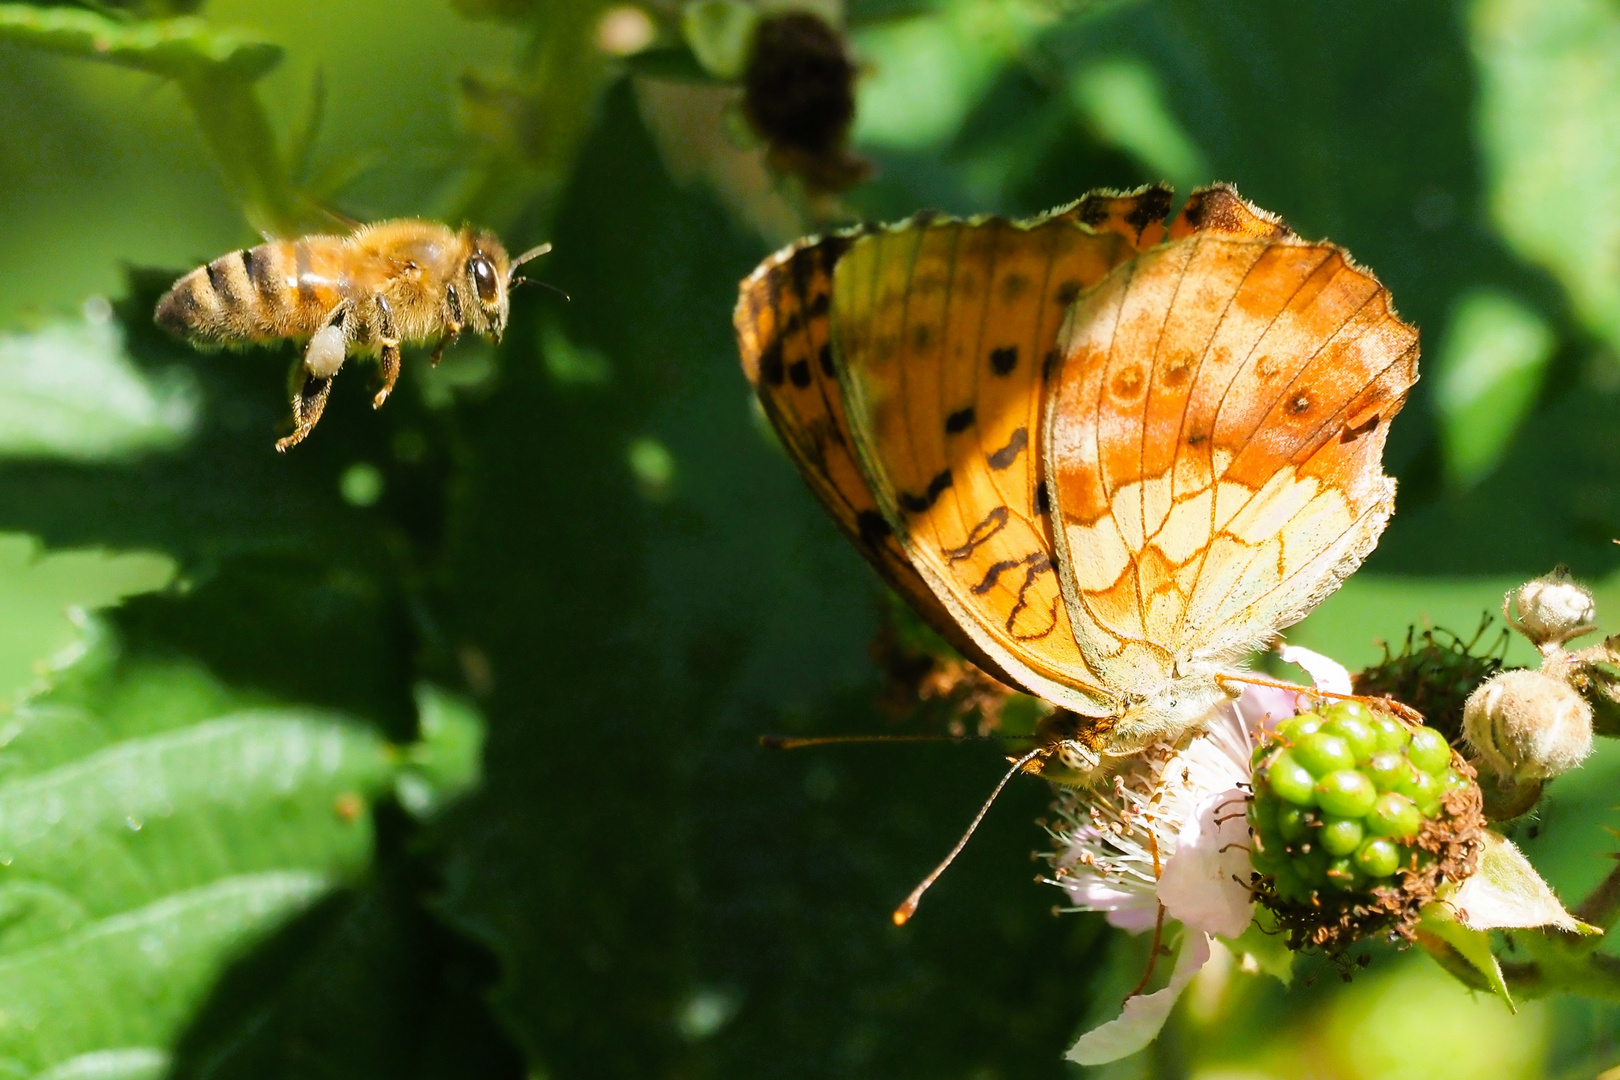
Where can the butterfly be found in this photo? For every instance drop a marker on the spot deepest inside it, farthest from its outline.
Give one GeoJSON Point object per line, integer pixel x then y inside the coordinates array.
{"type": "Point", "coordinates": [1105, 454]}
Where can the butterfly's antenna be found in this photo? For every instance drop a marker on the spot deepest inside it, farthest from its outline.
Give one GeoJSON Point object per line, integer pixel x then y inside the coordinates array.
{"type": "Point", "coordinates": [793, 742]}
{"type": "Point", "coordinates": [906, 910]}
{"type": "Point", "coordinates": [1390, 703]}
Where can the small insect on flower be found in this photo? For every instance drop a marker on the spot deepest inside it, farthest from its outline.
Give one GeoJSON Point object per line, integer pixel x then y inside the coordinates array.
{"type": "Point", "coordinates": [380, 286]}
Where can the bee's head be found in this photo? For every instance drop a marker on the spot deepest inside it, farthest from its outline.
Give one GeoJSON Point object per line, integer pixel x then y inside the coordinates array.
{"type": "Point", "coordinates": [485, 278]}
{"type": "Point", "coordinates": [488, 273]}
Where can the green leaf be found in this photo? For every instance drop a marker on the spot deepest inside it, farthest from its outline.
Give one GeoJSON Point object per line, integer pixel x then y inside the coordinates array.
{"type": "Point", "coordinates": [1506, 892]}
{"type": "Point", "coordinates": [144, 853]}
{"type": "Point", "coordinates": [1473, 946]}
{"type": "Point", "coordinates": [719, 33]}
{"type": "Point", "coordinates": [449, 761]}
{"type": "Point", "coordinates": [1124, 100]}
{"type": "Point", "coordinates": [177, 48]}
{"type": "Point", "coordinates": [1549, 91]}
{"type": "Point", "coordinates": [674, 62]}
{"type": "Point", "coordinates": [1491, 363]}
{"type": "Point", "coordinates": [72, 392]}
{"type": "Point", "coordinates": [132, 980]}
{"type": "Point", "coordinates": [43, 598]}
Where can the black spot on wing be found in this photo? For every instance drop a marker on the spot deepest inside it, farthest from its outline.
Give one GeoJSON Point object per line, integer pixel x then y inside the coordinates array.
{"type": "Point", "coordinates": [993, 523]}
{"type": "Point", "coordinates": [771, 368]}
{"type": "Point", "coordinates": [959, 421]}
{"type": "Point", "coordinates": [1004, 359]}
{"type": "Point", "coordinates": [827, 368]}
{"type": "Point", "coordinates": [1367, 427]}
{"type": "Point", "coordinates": [873, 529]}
{"type": "Point", "coordinates": [1008, 454]}
{"type": "Point", "coordinates": [799, 373]}
{"type": "Point", "coordinates": [916, 504]}
{"type": "Point", "coordinates": [1151, 205]}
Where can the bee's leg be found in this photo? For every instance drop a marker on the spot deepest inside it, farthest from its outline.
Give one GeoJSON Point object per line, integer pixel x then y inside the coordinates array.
{"type": "Point", "coordinates": [388, 339]}
{"type": "Point", "coordinates": [452, 323]}
{"type": "Point", "coordinates": [312, 375]}
{"type": "Point", "coordinates": [446, 339]}
{"type": "Point", "coordinates": [309, 394]}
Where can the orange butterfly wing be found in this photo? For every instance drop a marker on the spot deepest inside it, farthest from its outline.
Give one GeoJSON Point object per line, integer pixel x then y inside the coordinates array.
{"type": "Point", "coordinates": [1215, 439]}
{"type": "Point", "coordinates": [923, 416]}
{"type": "Point", "coordinates": [942, 331]}
{"type": "Point", "coordinates": [784, 336]}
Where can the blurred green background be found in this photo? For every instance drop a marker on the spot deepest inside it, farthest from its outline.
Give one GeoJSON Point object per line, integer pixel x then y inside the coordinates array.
{"type": "Point", "coordinates": [243, 829]}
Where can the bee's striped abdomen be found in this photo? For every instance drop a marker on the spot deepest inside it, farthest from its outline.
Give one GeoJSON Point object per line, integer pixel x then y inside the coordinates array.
{"type": "Point", "coordinates": [244, 296]}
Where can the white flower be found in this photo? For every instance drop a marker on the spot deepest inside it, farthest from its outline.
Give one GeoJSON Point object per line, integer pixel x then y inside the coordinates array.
{"type": "Point", "coordinates": [1170, 832]}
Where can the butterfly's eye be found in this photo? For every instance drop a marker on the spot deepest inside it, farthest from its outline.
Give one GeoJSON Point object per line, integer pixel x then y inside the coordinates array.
{"type": "Point", "coordinates": [483, 277]}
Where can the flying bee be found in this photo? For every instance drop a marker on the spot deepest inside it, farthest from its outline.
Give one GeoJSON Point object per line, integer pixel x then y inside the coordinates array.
{"type": "Point", "coordinates": [369, 291]}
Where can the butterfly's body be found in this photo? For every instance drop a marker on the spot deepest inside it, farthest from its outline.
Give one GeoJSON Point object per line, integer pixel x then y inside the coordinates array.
{"type": "Point", "coordinates": [381, 286]}
{"type": "Point", "coordinates": [1105, 456]}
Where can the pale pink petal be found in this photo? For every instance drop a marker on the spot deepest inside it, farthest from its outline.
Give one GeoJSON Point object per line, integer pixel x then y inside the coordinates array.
{"type": "Point", "coordinates": [1204, 883]}
{"type": "Point", "coordinates": [1261, 707]}
{"type": "Point", "coordinates": [1129, 909]}
{"type": "Point", "coordinates": [1328, 674]}
{"type": "Point", "coordinates": [1144, 1015]}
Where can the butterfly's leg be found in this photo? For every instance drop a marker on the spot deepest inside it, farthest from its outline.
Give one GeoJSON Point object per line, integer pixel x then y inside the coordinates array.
{"type": "Point", "coordinates": [388, 339]}
{"type": "Point", "coordinates": [312, 374]}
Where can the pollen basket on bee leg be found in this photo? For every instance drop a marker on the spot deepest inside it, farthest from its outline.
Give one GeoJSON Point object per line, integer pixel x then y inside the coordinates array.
{"type": "Point", "coordinates": [326, 352]}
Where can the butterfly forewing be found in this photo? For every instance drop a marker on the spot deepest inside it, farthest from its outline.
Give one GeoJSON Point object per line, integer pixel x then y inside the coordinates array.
{"type": "Point", "coordinates": [783, 333]}
{"type": "Point", "coordinates": [1214, 442]}
{"type": "Point", "coordinates": [943, 330]}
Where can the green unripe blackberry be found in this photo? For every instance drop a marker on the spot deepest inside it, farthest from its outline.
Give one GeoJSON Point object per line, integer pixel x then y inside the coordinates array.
{"type": "Point", "coordinates": [1294, 822]}
{"type": "Point", "coordinates": [1341, 836]}
{"type": "Point", "coordinates": [1357, 733]}
{"type": "Point", "coordinates": [1379, 857]}
{"type": "Point", "coordinates": [1422, 788]}
{"type": "Point", "coordinates": [1386, 769]}
{"type": "Point", "coordinates": [1357, 817]}
{"type": "Point", "coordinates": [1322, 753]}
{"type": "Point", "coordinates": [1429, 751]}
{"type": "Point", "coordinates": [1290, 780]}
{"type": "Point", "coordinates": [1393, 815]}
{"type": "Point", "coordinates": [1345, 793]}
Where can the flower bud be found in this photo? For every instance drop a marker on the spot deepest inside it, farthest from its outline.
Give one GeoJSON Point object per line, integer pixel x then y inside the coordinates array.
{"type": "Point", "coordinates": [1550, 610]}
{"type": "Point", "coordinates": [1527, 725]}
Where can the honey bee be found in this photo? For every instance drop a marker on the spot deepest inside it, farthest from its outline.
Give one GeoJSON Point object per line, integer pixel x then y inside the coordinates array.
{"type": "Point", "coordinates": [369, 291]}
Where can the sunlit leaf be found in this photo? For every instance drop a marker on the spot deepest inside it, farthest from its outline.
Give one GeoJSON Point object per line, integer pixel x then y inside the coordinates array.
{"type": "Point", "coordinates": [1549, 94]}
{"type": "Point", "coordinates": [43, 598]}
{"type": "Point", "coordinates": [179, 48]}
{"type": "Point", "coordinates": [1505, 892]}
{"type": "Point", "coordinates": [719, 33]}
{"type": "Point", "coordinates": [1490, 367]}
{"type": "Point", "coordinates": [1125, 102]}
{"type": "Point", "coordinates": [72, 392]}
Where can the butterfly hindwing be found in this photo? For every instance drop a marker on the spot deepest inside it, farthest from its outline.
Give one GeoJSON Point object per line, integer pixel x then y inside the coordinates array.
{"type": "Point", "coordinates": [1215, 439]}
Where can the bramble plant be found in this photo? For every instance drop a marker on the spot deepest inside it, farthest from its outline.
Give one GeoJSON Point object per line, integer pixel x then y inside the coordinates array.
{"type": "Point", "coordinates": [429, 750]}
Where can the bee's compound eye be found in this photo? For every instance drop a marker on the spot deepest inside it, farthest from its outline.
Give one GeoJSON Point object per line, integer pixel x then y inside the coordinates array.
{"type": "Point", "coordinates": [483, 277]}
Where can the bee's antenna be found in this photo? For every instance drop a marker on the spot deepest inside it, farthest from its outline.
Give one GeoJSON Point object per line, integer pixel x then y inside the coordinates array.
{"type": "Point", "coordinates": [532, 253]}
{"type": "Point", "coordinates": [906, 910]}
{"type": "Point", "coordinates": [521, 280]}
